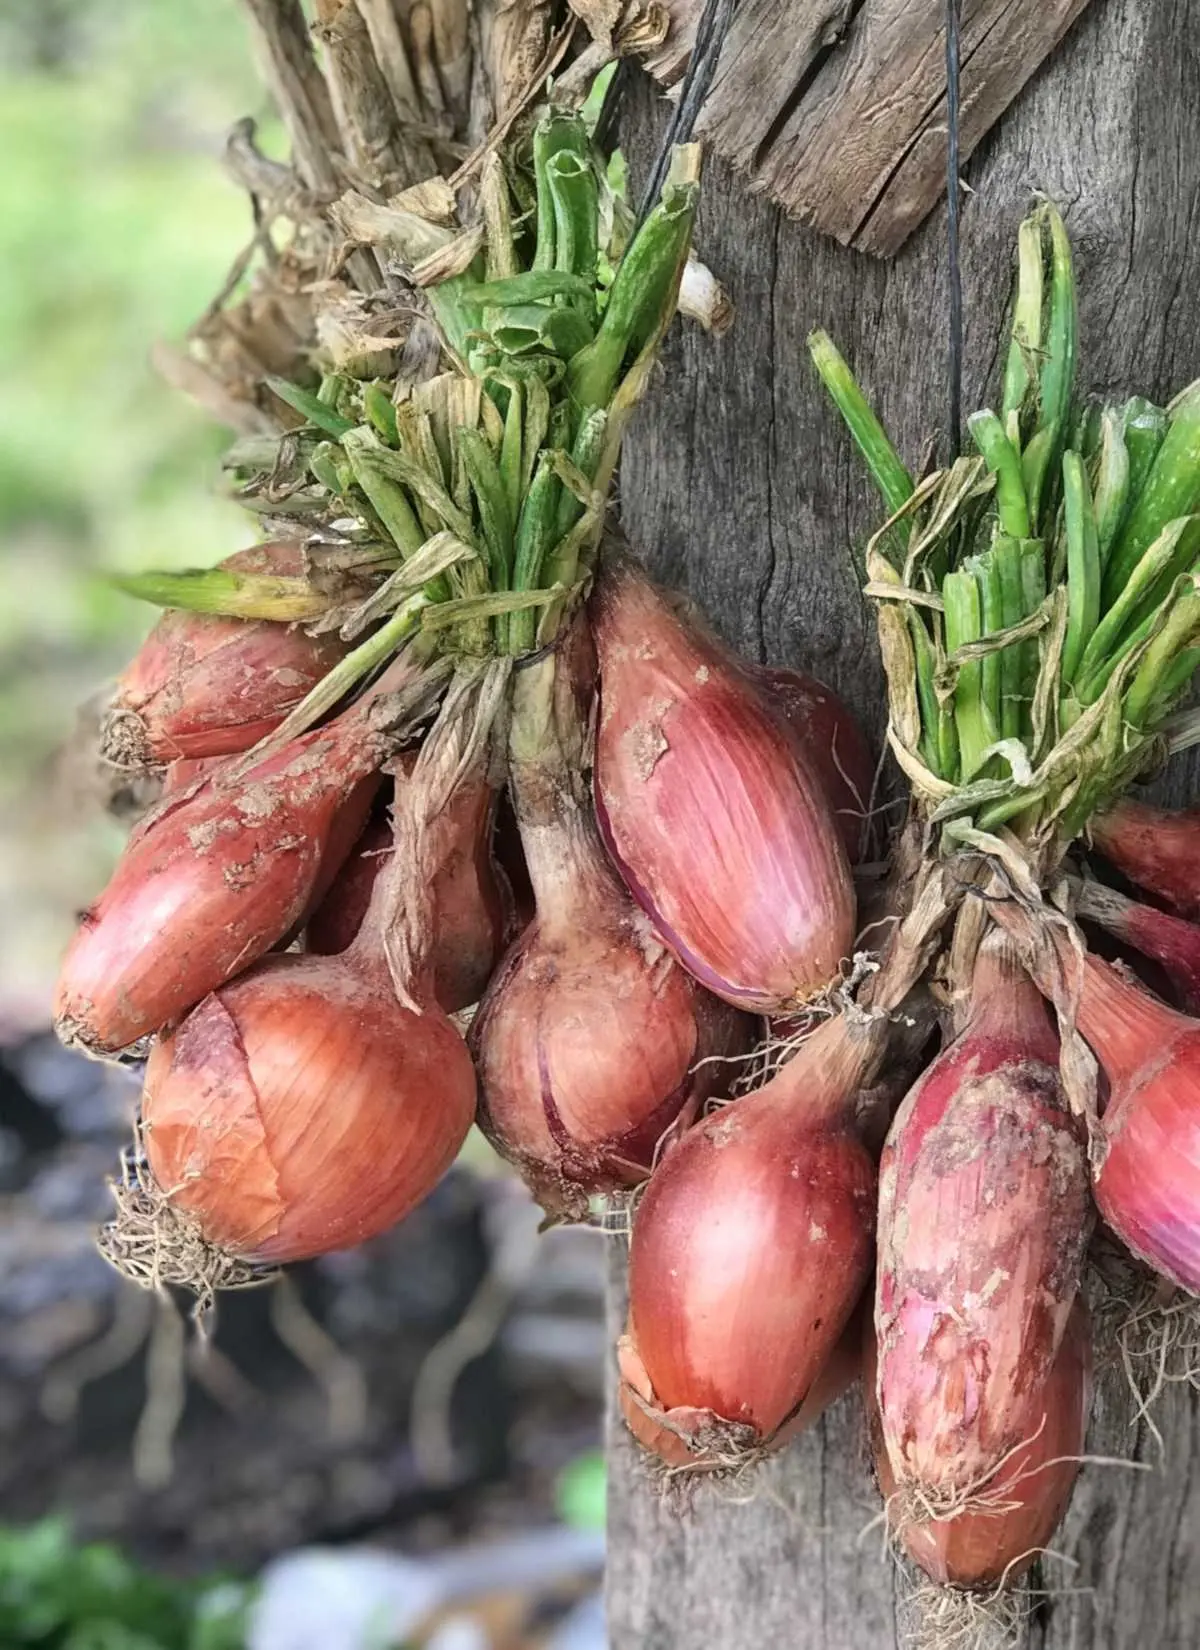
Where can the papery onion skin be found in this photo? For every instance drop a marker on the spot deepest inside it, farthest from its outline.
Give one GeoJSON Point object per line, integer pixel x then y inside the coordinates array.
{"type": "Point", "coordinates": [202, 685]}
{"type": "Point", "coordinates": [208, 883]}
{"type": "Point", "coordinates": [1016, 1512]}
{"type": "Point", "coordinates": [1147, 1186]}
{"type": "Point", "coordinates": [752, 1245]}
{"type": "Point", "coordinates": [302, 1109]}
{"type": "Point", "coordinates": [716, 821]}
{"type": "Point", "coordinates": [592, 1043]}
{"type": "Point", "coordinates": [1156, 848]}
{"type": "Point", "coordinates": [833, 742]}
{"type": "Point", "coordinates": [984, 1216]}
{"type": "Point", "coordinates": [473, 907]}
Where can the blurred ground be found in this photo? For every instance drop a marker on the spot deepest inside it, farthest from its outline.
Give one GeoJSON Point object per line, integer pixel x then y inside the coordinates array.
{"type": "Point", "coordinates": [116, 228]}
{"type": "Point", "coordinates": [442, 1384]}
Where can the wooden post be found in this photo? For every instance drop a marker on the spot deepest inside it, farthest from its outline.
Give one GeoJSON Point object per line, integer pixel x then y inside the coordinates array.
{"type": "Point", "coordinates": [739, 486]}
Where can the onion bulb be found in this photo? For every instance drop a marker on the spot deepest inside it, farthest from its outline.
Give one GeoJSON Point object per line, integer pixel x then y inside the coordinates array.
{"type": "Point", "coordinates": [312, 1102]}
{"type": "Point", "coordinates": [983, 1223]}
{"type": "Point", "coordinates": [202, 685]}
{"type": "Point", "coordinates": [593, 1045]}
{"type": "Point", "coordinates": [1010, 1517]}
{"type": "Point", "coordinates": [473, 908]}
{"type": "Point", "coordinates": [1173, 942]}
{"type": "Point", "coordinates": [714, 816]}
{"type": "Point", "coordinates": [1147, 1183]}
{"type": "Point", "coordinates": [833, 742]}
{"type": "Point", "coordinates": [213, 879]}
{"type": "Point", "coordinates": [751, 1247]}
{"type": "Point", "coordinates": [1156, 848]}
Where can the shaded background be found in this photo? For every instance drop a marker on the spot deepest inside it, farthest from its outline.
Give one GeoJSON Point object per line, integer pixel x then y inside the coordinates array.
{"type": "Point", "coordinates": [441, 1386]}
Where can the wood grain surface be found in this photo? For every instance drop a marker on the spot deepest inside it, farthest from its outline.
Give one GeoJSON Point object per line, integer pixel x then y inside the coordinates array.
{"type": "Point", "coordinates": [739, 485]}
{"type": "Point", "coordinates": [837, 108]}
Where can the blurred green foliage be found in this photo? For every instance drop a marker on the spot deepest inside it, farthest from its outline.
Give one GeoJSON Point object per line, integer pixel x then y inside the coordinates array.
{"type": "Point", "coordinates": [117, 226]}
{"type": "Point", "coordinates": [58, 1595]}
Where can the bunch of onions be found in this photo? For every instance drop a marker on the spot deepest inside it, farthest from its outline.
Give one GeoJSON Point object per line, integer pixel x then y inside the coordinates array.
{"type": "Point", "coordinates": [219, 874]}
{"type": "Point", "coordinates": [983, 1223]}
{"type": "Point", "coordinates": [1172, 942]}
{"type": "Point", "coordinates": [1154, 847]}
{"type": "Point", "coordinates": [312, 1102]}
{"type": "Point", "coordinates": [1017, 1508]}
{"type": "Point", "coordinates": [714, 816]}
{"type": "Point", "coordinates": [751, 1247]}
{"type": "Point", "coordinates": [592, 1043]}
{"type": "Point", "coordinates": [473, 903]}
{"type": "Point", "coordinates": [202, 685]}
{"type": "Point", "coordinates": [1147, 1183]}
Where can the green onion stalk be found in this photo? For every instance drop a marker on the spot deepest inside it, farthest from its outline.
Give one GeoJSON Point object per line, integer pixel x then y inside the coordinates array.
{"type": "Point", "coordinates": [460, 514]}
{"type": "Point", "coordinates": [1047, 586]}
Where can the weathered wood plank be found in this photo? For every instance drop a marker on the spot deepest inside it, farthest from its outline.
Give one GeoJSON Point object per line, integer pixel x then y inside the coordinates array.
{"type": "Point", "coordinates": [739, 485]}
{"type": "Point", "coordinates": [837, 108]}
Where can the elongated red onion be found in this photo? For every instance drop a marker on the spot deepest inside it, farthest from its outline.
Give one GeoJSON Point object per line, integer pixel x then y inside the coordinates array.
{"type": "Point", "coordinates": [1148, 1185]}
{"type": "Point", "coordinates": [751, 1246]}
{"type": "Point", "coordinates": [592, 1043]}
{"type": "Point", "coordinates": [984, 1215]}
{"type": "Point", "coordinates": [473, 909]}
{"type": "Point", "coordinates": [1172, 941]}
{"type": "Point", "coordinates": [716, 820]}
{"type": "Point", "coordinates": [1012, 1516]}
{"type": "Point", "coordinates": [832, 740]}
{"type": "Point", "coordinates": [302, 1107]}
{"type": "Point", "coordinates": [1156, 848]}
{"type": "Point", "coordinates": [201, 685]}
{"type": "Point", "coordinates": [213, 879]}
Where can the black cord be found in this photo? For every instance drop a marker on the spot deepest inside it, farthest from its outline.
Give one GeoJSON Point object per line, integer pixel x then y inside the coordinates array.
{"type": "Point", "coordinates": [706, 52]}
{"type": "Point", "coordinates": [955, 365]}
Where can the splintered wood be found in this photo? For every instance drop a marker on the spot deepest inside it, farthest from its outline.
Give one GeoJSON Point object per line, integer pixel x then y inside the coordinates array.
{"type": "Point", "coordinates": [837, 108]}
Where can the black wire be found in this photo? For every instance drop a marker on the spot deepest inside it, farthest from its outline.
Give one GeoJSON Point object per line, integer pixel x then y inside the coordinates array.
{"type": "Point", "coordinates": [955, 365]}
{"type": "Point", "coordinates": [710, 37]}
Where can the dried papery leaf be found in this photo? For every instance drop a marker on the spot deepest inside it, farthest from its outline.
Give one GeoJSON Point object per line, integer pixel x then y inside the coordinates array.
{"type": "Point", "coordinates": [452, 52]}
{"type": "Point", "coordinates": [299, 91]}
{"type": "Point", "coordinates": [599, 17]}
{"type": "Point", "coordinates": [391, 54]}
{"type": "Point", "coordinates": [520, 36]}
{"type": "Point", "coordinates": [409, 235]}
{"type": "Point", "coordinates": [643, 27]}
{"type": "Point", "coordinates": [346, 332]}
{"type": "Point", "coordinates": [362, 102]}
{"type": "Point", "coordinates": [209, 391]}
{"type": "Point", "coordinates": [420, 27]}
{"type": "Point", "coordinates": [455, 258]}
{"type": "Point", "coordinates": [432, 198]}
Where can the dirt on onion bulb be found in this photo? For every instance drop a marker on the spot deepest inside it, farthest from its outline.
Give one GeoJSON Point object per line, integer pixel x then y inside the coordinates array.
{"type": "Point", "coordinates": [984, 1216]}
{"type": "Point", "coordinates": [201, 685]}
{"type": "Point", "coordinates": [716, 819]}
{"type": "Point", "coordinates": [1013, 1513]}
{"type": "Point", "coordinates": [217, 875]}
{"type": "Point", "coordinates": [1147, 1184]}
{"type": "Point", "coordinates": [751, 1247]}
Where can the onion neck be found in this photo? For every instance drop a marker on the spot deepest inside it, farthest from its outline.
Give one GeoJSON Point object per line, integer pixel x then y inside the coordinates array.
{"type": "Point", "coordinates": [1125, 1026]}
{"type": "Point", "coordinates": [1005, 1003]}
{"type": "Point", "coordinates": [821, 1082]}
